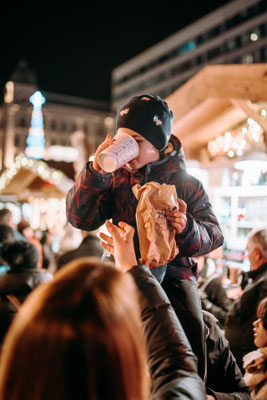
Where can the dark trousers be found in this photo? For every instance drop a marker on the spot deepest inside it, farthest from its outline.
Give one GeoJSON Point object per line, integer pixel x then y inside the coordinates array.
{"type": "Point", "coordinates": [184, 297]}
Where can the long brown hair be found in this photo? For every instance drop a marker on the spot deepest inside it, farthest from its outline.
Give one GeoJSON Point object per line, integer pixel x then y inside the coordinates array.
{"type": "Point", "coordinates": [77, 337]}
{"type": "Point", "coordinates": [262, 312]}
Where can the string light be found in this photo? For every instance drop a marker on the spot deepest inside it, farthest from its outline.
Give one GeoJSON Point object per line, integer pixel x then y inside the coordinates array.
{"type": "Point", "coordinates": [234, 144]}
{"type": "Point", "coordinates": [40, 168]}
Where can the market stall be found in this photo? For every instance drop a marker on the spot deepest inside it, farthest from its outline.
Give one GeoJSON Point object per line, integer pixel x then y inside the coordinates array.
{"type": "Point", "coordinates": [220, 116]}
{"type": "Point", "coordinates": [38, 188]}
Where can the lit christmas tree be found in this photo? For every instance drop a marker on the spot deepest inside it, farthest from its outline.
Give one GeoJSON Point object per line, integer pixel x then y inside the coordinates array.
{"type": "Point", "coordinates": [35, 143]}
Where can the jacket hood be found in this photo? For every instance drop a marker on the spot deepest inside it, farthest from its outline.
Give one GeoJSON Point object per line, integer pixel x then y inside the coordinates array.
{"type": "Point", "coordinates": [177, 153]}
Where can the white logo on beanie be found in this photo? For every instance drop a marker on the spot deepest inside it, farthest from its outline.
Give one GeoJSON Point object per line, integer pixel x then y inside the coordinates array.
{"type": "Point", "coordinates": [157, 120]}
{"type": "Point", "coordinates": [124, 111]}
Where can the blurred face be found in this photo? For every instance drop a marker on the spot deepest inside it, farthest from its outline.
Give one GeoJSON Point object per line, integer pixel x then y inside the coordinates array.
{"type": "Point", "coordinates": [251, 253]}
{"type": "Point", "coordinates": [28, 232]}
{"type": "Point", "coordinates": [147, 152]}
{"type": "Point", "coordinates": [260, 334]}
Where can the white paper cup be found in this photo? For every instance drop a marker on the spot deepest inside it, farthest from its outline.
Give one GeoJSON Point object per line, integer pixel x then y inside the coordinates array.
{"type": "Point", "coordinates": [124, 149]}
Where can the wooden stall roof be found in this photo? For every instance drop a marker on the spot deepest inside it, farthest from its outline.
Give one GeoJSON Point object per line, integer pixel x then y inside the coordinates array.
{"type": "Point", "coordinates": [36, 179]}
{"type": "Point", "coordinates": [215, 100]}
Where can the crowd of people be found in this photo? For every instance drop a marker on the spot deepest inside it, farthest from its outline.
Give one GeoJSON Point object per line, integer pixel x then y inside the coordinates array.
{"type": "Point", "coordinates": [84, 325]}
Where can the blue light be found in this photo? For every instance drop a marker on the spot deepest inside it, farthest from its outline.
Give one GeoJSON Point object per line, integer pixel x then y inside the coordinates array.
{"type": "Point", "coordinates": [37, 99]}
{"type": "Point", "coordinates": [189, 46]}
{"type": "Point", "coordinates": [36, 139]}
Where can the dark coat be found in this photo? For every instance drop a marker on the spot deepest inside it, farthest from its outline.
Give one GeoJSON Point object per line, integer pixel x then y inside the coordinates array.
{"type": "Point", "coordinates": [224, 378]}
{"type": "Point", "coordinates": [97, 197]}
{"type": "Point", "coordinates": [212, 293]}
{"type": "Point", "coordinates": [19, 284]}
{"type": "Point", "coordinates": [90, 247]}
{"type": "Point", "coordinates": [242, 314]}
{"type": "Point", "coordinates": [172, 364]}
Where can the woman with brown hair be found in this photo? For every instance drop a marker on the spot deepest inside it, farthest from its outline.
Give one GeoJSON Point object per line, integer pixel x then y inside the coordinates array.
{"type": "Point", "coordinates": [255, 362]}
{"type": "Point", "coordinates": [81, 337]}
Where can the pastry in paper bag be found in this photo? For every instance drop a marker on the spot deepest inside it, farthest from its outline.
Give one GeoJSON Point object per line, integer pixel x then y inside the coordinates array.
{"type": "Point", "coordinates": [156, 240]}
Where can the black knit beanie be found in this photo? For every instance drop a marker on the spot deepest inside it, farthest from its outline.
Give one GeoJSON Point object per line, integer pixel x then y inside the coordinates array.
{"type": "Point", "coordinates": [150, 116]}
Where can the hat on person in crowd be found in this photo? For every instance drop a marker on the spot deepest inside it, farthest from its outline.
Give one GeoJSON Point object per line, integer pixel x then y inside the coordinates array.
{"type": "Point", "coordinates": [150, 117]}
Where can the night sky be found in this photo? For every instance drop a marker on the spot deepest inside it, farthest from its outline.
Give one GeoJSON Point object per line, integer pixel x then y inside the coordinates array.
{"type": "Point", "coordinates": [73, 46]}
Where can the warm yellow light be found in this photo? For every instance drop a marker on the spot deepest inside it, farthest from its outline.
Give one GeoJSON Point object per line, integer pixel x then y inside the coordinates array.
{"type": "Point", "coordinates": [9, 95]}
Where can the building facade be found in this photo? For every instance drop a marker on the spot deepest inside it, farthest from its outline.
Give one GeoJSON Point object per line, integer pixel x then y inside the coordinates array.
{"type": "Point", "coordinates": [63, 116]}
{"type": "Point", "coordinates": [233, 34]}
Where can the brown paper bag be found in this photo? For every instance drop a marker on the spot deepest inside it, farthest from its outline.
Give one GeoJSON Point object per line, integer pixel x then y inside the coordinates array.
{"type": "Point", "coordinates": [156, 239]}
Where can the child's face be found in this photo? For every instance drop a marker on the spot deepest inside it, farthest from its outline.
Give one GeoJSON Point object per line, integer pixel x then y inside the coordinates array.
{"type": "Point", "coordinates": [147, 152]}
{"type": "Point", "coordinates": [260, 334]}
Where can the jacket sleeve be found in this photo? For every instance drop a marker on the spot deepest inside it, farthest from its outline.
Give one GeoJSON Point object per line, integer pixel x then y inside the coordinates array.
{"type": "Point", "coordinates": [215, 300]}
{"type": "Point", "coordinates": [88, 202]}
{"type": "Point", "coordinates": [202, 233]}
{"type": "Point", "coordinates": [172, 364]}
{"type": "Point", "coordinates": [224, 378]}
{"type": "Point", "coordinates": [216, 310]}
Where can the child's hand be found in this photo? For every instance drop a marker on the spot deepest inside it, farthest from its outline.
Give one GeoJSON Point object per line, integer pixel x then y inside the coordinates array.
{"type": "Point", "coordinates": [120, 245]}
{"type": "Point", "coordinates": [177, 219]}
{"type": "Point", "coordinates": [107, 142]}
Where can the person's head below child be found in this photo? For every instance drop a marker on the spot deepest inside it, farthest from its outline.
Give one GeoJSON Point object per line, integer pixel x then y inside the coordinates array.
{"type": "Point", "coordinates": [148, 119]}
{"type": "Point", "coordinates": [260, 325]}
{"type": "Point", "coordinates": [79, 336]}
{"type": "Point", "coordinates": [255, 362]}
{"type": "Point", "coordinates": [20, 255]}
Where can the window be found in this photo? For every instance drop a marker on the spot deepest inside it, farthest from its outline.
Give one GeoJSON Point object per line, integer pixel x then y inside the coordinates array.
{"type": "Point", "coordinates": [214, 53]}
{"type": "Point", "coordinates": [17, 140]}
{"type": "Point", "coordinates": [214, 31]}
{"type": "Point", "coordinates": [263, 54]}
{"type": "Point", "coordinates": [189, 46]}
{"type": "Point", "coordinates": [63, 126]}
{"type": "Point", "coordinates": [247, 59]}
{"type": "Point", "coordinates": [85, 127]}
{"type": "Point", "coordinates": [23, 121]}
{"type": "Point", "coordinates": [73, 127]}
{"type": "Point", "coordinates": [53, 125]}
{"type": "Point", "coordinates": [263, 30]}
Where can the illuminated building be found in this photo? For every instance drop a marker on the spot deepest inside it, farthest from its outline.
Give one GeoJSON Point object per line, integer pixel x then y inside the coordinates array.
{"type": "Point", "coordinates": [63, 117]}
{"type": "Point", "coordinates": [233, 34]}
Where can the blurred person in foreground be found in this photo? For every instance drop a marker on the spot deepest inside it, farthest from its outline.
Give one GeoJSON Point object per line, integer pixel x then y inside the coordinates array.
{"type": "Point", "coordinates": [243, 310]}
{"type": "Point", "coordinates": [18, 282]}
{"type": "Point", "coordinates": [255, 362]}
{"type": "Point", "coordinates": [98, 196]}
{"type": "Point", "coordinates": [90, 334]}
